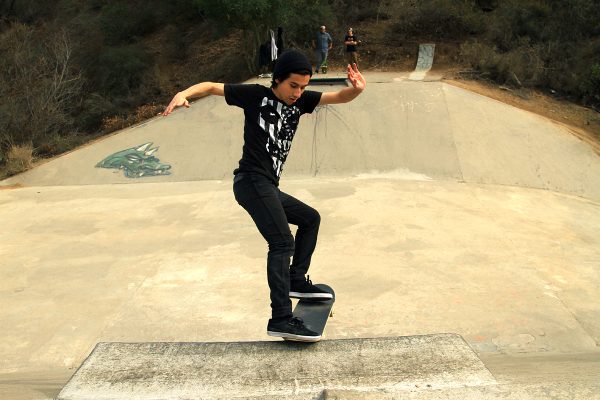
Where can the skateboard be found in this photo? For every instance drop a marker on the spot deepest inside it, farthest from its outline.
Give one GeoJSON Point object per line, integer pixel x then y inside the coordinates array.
{"type": "Point", "coordinates": [324, 67]}
{"type": "Point", "coordinates": [315, 312]}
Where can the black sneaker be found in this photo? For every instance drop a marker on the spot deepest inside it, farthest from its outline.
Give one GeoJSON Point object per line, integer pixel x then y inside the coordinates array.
{"type": "Point", "coordinates": [292, 329]}
{"type": "Point", "coordinates": [304, 289]}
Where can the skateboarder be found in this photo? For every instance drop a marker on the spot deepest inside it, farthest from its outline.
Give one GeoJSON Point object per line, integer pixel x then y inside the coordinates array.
{"type": "Point", "coordinates": [271, 119]}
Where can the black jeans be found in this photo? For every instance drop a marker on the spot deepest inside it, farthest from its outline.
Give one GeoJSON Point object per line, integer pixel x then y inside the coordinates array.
{"type": "Point", "coordinates": [272, 212]}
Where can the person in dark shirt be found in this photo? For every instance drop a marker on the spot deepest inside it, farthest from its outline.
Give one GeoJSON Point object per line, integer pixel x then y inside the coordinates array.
{"type": "Point", "coordinates": [280, 43]}
{"type": "Point", "coordinates": [264, 57]}
{"type": "Point", "coordinates": [271, 119]}
{"type": "Point", "coordinates": [351, 41]}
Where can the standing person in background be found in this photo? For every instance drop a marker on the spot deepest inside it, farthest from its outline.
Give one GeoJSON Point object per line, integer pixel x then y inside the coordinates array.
{"type": "Point", "coordinates": [322, 44]}
{"type": "Point", "coordinates": [279, 42]}
{"type": "Point", "coordinates": [264, 58]}
{"type": "Point", "coordinates": [274, 52]}
{"type": "Point", "coordinates": [351, 41]}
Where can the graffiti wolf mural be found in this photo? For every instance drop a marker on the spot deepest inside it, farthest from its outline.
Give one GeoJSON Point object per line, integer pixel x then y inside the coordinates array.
{"type": "Point", "coordinates": [136, 162]}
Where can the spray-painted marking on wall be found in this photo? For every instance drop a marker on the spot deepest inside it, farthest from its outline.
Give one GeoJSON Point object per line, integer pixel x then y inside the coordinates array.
{"type": "Point", "coordinates": [136, 162]}
{"type": "Point", "coordinates": [425, 61]}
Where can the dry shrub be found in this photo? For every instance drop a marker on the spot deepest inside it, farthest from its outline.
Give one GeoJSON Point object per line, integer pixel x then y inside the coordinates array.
{"type": "Point", "coordinates": [142, 113]}
{"type": "Point", "coordinates": [482, 57]}
{"type": "Point", "coordinates": [39, 82]}
{"type": "Point", "coordinates": [524, 65]}
{"type": "Point", "coordinates": [20, 158]}
{"type": "Point", "coordinates": [113, 123]}
{"type": "Point", "coordinates": [520, 66]}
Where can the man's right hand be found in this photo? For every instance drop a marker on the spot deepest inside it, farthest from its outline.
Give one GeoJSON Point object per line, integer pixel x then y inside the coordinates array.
{"type": "Point", "coordinates": [198, 90]}
{"type": "Point", "coordinates": [178, 101]}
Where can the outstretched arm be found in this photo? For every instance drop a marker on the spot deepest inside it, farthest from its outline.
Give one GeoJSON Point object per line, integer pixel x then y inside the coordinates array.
{"type": "Point", "coordinates": [198, 90]}
{"type": "Point", "coordinates": [348, 94]}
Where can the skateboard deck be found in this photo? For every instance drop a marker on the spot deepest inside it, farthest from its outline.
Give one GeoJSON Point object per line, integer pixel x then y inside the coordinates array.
{"type": "Point", "coordinates": [315, 312]}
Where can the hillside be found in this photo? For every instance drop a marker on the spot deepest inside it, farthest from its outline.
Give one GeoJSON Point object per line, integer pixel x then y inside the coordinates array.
{"type": "Point", "coordinates": [92, 67]}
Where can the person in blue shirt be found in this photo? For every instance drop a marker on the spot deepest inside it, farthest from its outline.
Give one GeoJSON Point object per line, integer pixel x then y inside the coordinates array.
{"type": "Point", "coordinates": [322, 44]}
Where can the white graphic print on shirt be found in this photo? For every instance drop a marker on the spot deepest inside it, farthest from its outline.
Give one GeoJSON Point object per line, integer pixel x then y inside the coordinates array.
{"type": "Point", "coordinates": [279, 122]}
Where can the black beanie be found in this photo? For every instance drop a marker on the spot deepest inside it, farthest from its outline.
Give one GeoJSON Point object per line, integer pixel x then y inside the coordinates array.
{"type": "Point", "coordinates": [291, 61]}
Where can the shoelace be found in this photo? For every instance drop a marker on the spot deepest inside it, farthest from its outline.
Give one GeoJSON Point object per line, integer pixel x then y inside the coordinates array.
{"type": "Point", "coordinates": [296, 321]}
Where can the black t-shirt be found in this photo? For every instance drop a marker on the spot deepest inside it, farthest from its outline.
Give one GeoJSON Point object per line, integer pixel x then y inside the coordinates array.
{"type": "Point", "coordinates": [351, 47]}
{"type": "Point", "coordinates": [269, 126]}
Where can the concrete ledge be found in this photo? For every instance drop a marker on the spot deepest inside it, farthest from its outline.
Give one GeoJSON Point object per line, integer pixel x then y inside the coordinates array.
{"type": "Point", "coordinates": [329, 81]}
{"type": "Point", "coordinates": [268, 370]}
{"type": "Point", "coordinates": [540, 391]}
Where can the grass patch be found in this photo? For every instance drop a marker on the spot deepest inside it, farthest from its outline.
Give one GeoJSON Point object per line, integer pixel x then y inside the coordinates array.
{"type": "Point", "coordinates": [19, 159]}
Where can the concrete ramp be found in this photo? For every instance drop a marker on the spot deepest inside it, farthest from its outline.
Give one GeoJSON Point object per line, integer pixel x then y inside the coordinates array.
{"type": "Point", "coordinates": [269, 370]}
{"type": "Point", "coordinates": [401, 129]}
{"type": "Point", "coordinates": [424, 62]}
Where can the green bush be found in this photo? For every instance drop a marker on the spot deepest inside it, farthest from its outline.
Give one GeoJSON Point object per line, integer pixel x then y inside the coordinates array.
{"type": "Point", "coordinates": [482, 57]}
{"type": "Point", "coordinates": [591, 86]}
{"type": "Point", "coordinates": [546, 44]}
{"type": "Point", "coordinates": [122, 22]}
{"type": "Point", "coordinates": [352, 12]}
{"type": "Point", "coordinates": [520, 66]}
{"type": "Point", "coordinates": [28, 11]}
{"type": "Point", "coordinates": [120, 69]}
{"type": "Point", "coordinates": [301, 19]}
{"type": "Point", "coordinates": [93, 110]}
{"type": "Point", "coordinates": [514, 20]}
{"type": "Point", "coordinates": [437, 19]}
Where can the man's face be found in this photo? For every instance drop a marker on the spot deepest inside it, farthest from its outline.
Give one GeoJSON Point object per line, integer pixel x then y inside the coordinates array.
{"type": "Point", "coordinates": [290, 90]}
{"type": "Point", "coordinates": [323, 29]}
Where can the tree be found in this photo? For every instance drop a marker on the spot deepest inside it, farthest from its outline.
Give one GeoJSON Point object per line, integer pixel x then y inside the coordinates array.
{"type": "Point", "coordinates": [39, 85]}
{"type": "Point", "coordinates": [256, 17]}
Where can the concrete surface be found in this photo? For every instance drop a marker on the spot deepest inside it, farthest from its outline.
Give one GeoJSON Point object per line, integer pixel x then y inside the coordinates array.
{"type": "Point", "coordinates": [442, 211]}
{"type": "Point", "coordinates": [274, 370]}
